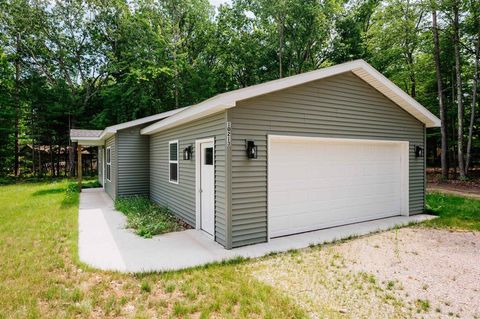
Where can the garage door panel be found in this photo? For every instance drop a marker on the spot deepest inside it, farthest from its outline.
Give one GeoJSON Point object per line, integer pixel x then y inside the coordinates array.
{"type": "Point", "coordinates": [319, 183]}
{"type": "Point", "coordinates": [333, 207]}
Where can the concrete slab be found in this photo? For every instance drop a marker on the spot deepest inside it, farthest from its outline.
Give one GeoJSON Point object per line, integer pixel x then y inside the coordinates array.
{"type": "Point", "coordinates": [104, 243]}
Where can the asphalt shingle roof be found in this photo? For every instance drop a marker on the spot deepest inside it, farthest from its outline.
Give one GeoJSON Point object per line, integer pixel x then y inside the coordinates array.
{"type": "Point", "coordinates": [85, 133]}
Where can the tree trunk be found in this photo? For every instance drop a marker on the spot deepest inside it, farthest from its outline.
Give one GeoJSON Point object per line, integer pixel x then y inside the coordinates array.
{"type": "Point", "coordinates": [280, 47]}
{"type": "Point", "coordinates": [71, 157]}
{"type": "Point", "coordinates": [460, 107]}
{"type": "Point", "coordinates": [474, 101]}
{"type": "Point", "coordinates": [441, 101]}
{"type": "Point", "coordinates": [40, 165]}
{"type": "Point", "coordinates": [33, 157]}
{"type": "Point", "coordinates": [58, 160]}
{"type": "Point", "coordinates": [66, 155]}
{"type": "Point", "coordinates": [52, 162]}
{"type": "Point", "coordinates": [17, 104]}
{"type": "Point", "coordinates": [71, 150]}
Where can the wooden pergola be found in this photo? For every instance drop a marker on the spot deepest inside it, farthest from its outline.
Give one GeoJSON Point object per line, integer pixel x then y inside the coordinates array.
{"type": "Point", "coordinates": [84, 138]}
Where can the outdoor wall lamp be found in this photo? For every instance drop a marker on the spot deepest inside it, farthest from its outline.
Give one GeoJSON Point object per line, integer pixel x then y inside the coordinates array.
{"type": "Point", "coordinates": [187, 153]}
{"type": "Point", "coordinates": [418, 151]}
{"type": "Point", "coordinates": [251, 149]}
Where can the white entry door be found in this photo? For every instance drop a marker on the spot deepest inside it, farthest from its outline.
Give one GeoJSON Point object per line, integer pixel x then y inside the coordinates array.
{"type": "Point", "coordinates": [316, 183]}
{"type": "Point", "coordinates": [207, 187]}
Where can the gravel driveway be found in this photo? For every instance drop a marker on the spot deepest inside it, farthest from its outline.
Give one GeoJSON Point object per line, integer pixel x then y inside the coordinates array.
{"type": "Point", "coordinates": [405, 273]}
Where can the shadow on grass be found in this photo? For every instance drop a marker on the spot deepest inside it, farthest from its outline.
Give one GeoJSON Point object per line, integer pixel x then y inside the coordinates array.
{"type": "Point", "coordinates": [48, 191]}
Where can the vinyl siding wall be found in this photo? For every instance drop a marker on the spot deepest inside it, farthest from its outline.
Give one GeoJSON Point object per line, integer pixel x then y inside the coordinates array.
{"type": "Point", "coordinates": [111, 186]}
{"type": "Point", "coordinates": [342, 106]}
{"type": "Point", "coordinates": [133, 162]}
{"type": "Point", "coordinates": [180, 198]}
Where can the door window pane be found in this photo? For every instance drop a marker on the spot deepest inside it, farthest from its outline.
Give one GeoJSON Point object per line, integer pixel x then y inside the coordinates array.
{"type": "Point", "coordinates": [208, 156]}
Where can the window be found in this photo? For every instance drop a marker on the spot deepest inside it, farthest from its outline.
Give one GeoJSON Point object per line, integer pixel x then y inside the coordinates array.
{"type": "Point", "coordinates": [208, 156]}
{"type": "Point", "coordinates": [109, 162]}
{"type": "Point", "coordinates": [173, 161]}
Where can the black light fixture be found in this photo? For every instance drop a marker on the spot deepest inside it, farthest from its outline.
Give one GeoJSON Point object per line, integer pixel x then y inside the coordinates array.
{"type": "Point", "coordinates": [251, 149]}
{"type": "Point", "coordinates": [418, 151]}
{"type": "Point", "coordinates": [187, 153]}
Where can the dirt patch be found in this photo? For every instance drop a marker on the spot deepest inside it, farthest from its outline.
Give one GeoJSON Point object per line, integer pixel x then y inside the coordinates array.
{"type": "Point", "coordinates": [405, 273]}
{"type": "Point", "coordinates": [453, 191]}
{"type": "Point", "coordinates": [471, 186]}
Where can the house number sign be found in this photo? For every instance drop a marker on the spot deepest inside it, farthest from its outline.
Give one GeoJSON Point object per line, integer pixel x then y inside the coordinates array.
{"type": "Point", "coordinates": [229, 133]}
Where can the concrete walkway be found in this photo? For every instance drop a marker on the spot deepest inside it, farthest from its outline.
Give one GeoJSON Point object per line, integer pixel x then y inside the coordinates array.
{"type": "Point", "coordinates": [104, 242]}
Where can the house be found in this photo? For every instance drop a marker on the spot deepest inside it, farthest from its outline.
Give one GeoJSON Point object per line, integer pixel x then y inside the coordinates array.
{"type": "Point", "coordinates": [330, 147]}
{"type": "Point", "coordinates": [122, 155]}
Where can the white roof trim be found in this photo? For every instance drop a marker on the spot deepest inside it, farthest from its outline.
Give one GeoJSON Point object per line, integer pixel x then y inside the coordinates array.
{"type": "Point", "coordinates": [359, 67]}
{"type": "Point", "coordinates": [111, 130]}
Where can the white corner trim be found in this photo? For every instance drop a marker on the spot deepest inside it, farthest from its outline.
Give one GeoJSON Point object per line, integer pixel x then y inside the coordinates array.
{"type": "Point", "coordinates": [359, 67]}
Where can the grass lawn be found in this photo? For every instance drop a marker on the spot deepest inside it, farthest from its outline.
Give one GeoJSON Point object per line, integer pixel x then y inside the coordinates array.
{"type": "Point", "coordinates": [455, 212]}
{"type": "Point", "coordinates": [40, 275]}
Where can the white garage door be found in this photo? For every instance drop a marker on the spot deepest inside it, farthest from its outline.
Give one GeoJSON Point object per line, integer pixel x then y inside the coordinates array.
{"type": "Point", "coordinates": [316, 183]}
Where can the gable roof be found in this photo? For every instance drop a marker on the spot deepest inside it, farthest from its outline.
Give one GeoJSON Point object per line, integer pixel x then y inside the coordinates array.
{"type": "Point", "coordinates": [97, 136]}
{"type": "Point", "coordinates": [359, 67]}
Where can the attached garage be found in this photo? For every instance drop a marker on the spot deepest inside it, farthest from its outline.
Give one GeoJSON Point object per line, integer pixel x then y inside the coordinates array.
{"type": "Point", "coordinates": [331, 147]}
{"type": "Point", "coordinates": [316, 183]}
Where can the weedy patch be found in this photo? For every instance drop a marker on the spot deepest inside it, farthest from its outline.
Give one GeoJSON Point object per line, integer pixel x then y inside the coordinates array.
{"type": "Point", "coordinates": [422, 305]}
{"type": "Point", "coordinates": [146, 218]}
{"type": "Point", "coordinates": [324, 287]}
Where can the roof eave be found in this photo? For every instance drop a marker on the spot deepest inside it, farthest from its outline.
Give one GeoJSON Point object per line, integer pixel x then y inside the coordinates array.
{"type": "Point", "coordinates": [359, 67]}
{"type": "Point", "coordinates": [195, 112]}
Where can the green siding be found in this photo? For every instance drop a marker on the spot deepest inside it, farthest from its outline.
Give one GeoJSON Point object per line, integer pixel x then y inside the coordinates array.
{"type": "Point", "coordinates": [180, 198]}
{"type": "Point", "coordinates": [133, 162]}
{"type": "Point", "coordinates": [343, 106]}
{"type": "Point", "coordinates": [111, 186]}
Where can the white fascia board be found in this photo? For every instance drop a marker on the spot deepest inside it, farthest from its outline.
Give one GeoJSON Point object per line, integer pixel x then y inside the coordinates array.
{"type": "Point", "coordinates": [359, 67]}
{"type": "Point", "coordinates": [88, 142]}
{"type": "Point", "coordinates": [196, 111]}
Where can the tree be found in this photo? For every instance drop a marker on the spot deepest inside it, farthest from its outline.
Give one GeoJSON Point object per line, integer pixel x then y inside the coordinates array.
{"type": "Point", "coordinates": [394, 41]}
{"type": "Point", "coordinates": [458, 76]}
{"type": "Point", "coordinates": [475, 8]}
{"type": "Point", "coordinates": [92, 64]}
{"type": "Point", "coordinates": [7, 113]}
{"type": "Point", "coordinates": [441, 102]}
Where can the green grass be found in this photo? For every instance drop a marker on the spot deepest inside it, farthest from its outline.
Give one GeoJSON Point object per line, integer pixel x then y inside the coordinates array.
{"type": "Point", "coordinates": [145, 217]}
{"type": "Point", "coordinates": [91, 183]}
{"type": "Point", "coordinates": [455, 212]}
{"type": "Point", "coordinates": [41, 277]}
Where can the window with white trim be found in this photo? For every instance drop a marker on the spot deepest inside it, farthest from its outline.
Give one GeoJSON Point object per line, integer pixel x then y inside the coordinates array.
{"type": "Point", "coordinates": [109, 162]}
{"type": "Point", "coordinates": [173, 161]}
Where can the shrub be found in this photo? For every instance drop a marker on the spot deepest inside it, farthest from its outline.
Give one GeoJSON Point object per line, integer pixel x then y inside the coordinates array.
{"type": "Point", "coordinates": [147, 218]}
